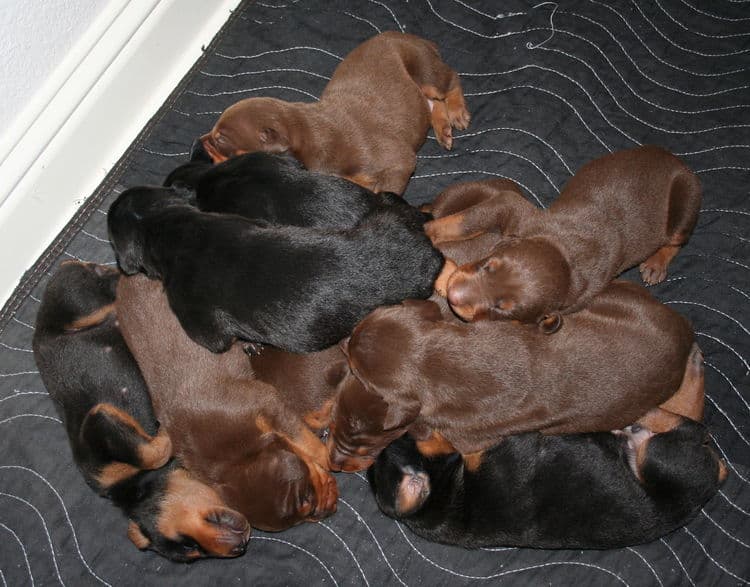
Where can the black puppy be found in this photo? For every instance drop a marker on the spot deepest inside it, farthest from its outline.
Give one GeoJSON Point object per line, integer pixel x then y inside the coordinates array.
{"type": "Point", "coordinates": [277, 189]}
{"type": "Point", "coordinates": [300, 289]}
{"type": "Point", "coordinates": [599, 490]}
{"type": "Point", "coordinates": [103, 400]}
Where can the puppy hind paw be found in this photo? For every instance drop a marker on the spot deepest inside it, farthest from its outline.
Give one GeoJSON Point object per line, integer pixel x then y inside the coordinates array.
{"type": "Point", "coordinates": [653, 273]}
{"type": "Point", "coordinates": [444, 137]}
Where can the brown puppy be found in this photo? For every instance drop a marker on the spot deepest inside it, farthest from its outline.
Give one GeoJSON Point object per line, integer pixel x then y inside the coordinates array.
{"type": "Point", "coordinates": [308, 381]}
{"type": "Point", "coordinates": [632, 206]}
{"type": "Point", "coordinates": [475, 383]}
{"type": "Point", "coordinates": [226, 427]}
{"type": "Point", "coordinates": [371, 120]}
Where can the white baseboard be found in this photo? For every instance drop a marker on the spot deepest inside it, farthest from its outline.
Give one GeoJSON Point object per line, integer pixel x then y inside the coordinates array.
{"type": "Point", "coordinates": [83, 120]}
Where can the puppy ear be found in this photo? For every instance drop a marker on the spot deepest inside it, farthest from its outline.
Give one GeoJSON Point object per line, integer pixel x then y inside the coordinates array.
{"type": "Point", "coordinates": [400, 416]}
{"type": "Point", "coordinates": [273, 140]}
{"type": "Point", "coordinates": [550, 323]}
{"type": "Point", "coordinates": [137, 537]}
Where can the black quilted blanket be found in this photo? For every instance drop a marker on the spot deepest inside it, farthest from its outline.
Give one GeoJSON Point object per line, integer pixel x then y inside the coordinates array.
{"type": "Point", "coordinates": [550, 85]}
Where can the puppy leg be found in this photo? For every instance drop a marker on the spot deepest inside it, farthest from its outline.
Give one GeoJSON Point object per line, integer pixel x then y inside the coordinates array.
{"type": "Point", "coordinates": [498, 211]}
{"type": "Point", "coordinates": [118, 438]}
{"type": "Point", "coordinates": [689, 400]}
{"type": "Point", "coordinates": [458, 114]}
{"type": "Point", "coordinates": [684, 205]}
{"type": "Point", "coordinates": [440, 123]}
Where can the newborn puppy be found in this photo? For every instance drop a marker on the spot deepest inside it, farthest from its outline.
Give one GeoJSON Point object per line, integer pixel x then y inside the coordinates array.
{"type": "Point", "coordinates": [634, 206]}
{"type": "Point", "coordinates": [102, 398]}
{"type": "Point", "coordinates": [598, 490]}
{"type": "Point", "coordinates": [228, 428]}
{"type": "Point", "coordinates": [475, 383]}
{"type": "Point", "coordinates": [262, 186]}
{"type": "Point", "coordinates": [372, 117]}
{"type": "Point", "coordinates": [299, 289]}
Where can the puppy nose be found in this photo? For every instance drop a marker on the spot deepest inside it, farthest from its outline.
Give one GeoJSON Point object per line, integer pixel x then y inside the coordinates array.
{"type": "Point", "coordinates": [239, 549]}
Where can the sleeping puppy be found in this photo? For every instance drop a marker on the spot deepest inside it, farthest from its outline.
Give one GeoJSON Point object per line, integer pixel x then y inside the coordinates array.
{"type": "Point", "coordinates": [470, 384]}
{"type": "Point", "coordinates": [629, 207]}
{"type": "Point", "coordinates": [598, 490]}
{"type": "Point", "coordinates": [228, 428]}
{"type": "Point", "coordinates": [262, 186]}
{"type": "Point", "coordinates": [102, 398]}
{"type": "Point", "coordinates": [299, 289]}
{"type": "Point", "coordinates": [372, 117]}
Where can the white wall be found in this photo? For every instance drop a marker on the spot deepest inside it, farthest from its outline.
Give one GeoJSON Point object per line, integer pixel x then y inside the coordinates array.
{"type": "Point", "coordinates": [35, 36]}
{"type": "Point", "coordinates": [121, 56]}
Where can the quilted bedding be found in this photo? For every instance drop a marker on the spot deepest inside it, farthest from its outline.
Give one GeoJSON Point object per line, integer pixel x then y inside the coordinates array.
{"type": "Point", "coordinates": [550, 86]}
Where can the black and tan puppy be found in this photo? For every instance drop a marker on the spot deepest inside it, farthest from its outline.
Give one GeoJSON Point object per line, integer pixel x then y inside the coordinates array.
{"type": "Point", "coordinates": [372, 117]}
{"type": "Point", "coordinates": [300, 289]}
{"type": "Point", "coordinates": [598, 490]}
{"type": "Point", "coordinates": [472, 383]}
{"type": "Point", "coordinates": [277, 189]}
{"type": "Point", "coordinates": [630, 207]}
{"type": "Point", "coordinates": [103, 400]}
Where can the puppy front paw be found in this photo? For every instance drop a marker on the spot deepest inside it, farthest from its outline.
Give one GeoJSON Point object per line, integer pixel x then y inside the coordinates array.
{"type": "Point", "coordinates": [653, 272]}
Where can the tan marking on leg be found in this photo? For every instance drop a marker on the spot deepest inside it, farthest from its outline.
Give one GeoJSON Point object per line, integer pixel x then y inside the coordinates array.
{"type": "Point", "coordinates": [137, 537]}
{"type": "Point", "coordinates": [124, 417]}
{"type": "Point", "coordinates": [441, 125]}
{"type": "Point", "coordinates": [658, 420]}
{"type": "Point", "coordinates": [654, 269]}
{"type": "Point", "coordinates": [89, 321]}
{"type": "Point", "coordinates": [473, 461]}
{"type": "Point", "coordinates": [448, 228]}
{"type": "Point", "coordinates": [441, 283]}
{"type": "Point", "coordinates": [157, 451]}
{"type": "Point", "coordinates": [455, 103]}
{"type": "Point", "coordinates": [689, 400]}
{"type": "Point", "coordinates": [363, 179]}
{"type": "Point", "coordinates": [319, 419]}
{"type": "Point", "coordinates": [113, 473]}
{"type": "Point", "coordinates": [723, 471]}
{"type": "Point", "coordinates": [435, 445]}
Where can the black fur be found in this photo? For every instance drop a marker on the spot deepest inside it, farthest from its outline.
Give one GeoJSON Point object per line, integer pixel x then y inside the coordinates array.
{"type": "Point", "coordinates": [572, 491]}
{"type": "Point", "coordinates": [277, 189]}
{"type": "Point", "coordinates": [88, 367]}
{"type": "Point", "coordinates": [300, 289]}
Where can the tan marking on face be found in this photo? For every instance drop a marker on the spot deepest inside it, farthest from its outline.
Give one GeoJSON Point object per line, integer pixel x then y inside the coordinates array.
{"type": "Point", "coordinates": [89, 321]}
{"type": "Point", "coordinates": [186, 509]}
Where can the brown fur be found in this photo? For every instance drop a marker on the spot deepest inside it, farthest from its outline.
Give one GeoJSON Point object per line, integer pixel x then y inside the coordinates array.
{"type": "Point", "coordinates": [229, 429]}
{"type": "Point", "coordinates": [630, 207]}
{"type": "Point", "coordinates": [372, 117]}
{"type": "Point", "coordinates": [475, 383]}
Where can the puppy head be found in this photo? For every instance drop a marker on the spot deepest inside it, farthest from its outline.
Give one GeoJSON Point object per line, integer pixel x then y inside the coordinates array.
{"type": "Point", "coordinates": [399, 478]}
{"type": "Point", "coordinates": [362, 423]}
{"type": "Point", "coordinates": [277, 488]}
{"type": "Point", "coordinates": [125, 222]}
{"type": "Point", "coordinates": [181, 518]}
{"type": "Point", "coordinates": [250, 125]}
{"type": "Point", "coordinates": [672, 458]}
{"type": "Point", "coordinates": [522, 279]}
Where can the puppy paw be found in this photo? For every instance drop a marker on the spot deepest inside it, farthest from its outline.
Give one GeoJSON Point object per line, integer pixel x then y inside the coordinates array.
{"type": "Point", "coordinates": [413, 491]}
{"type": "Point", "coordinates": [653, 272]}
{"type": "Point", "coordinates": [444, 136]}
{"type": "Point", "coordinates": [459, 118]}
{"type": "Point", "coordinates": [252, 348]}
